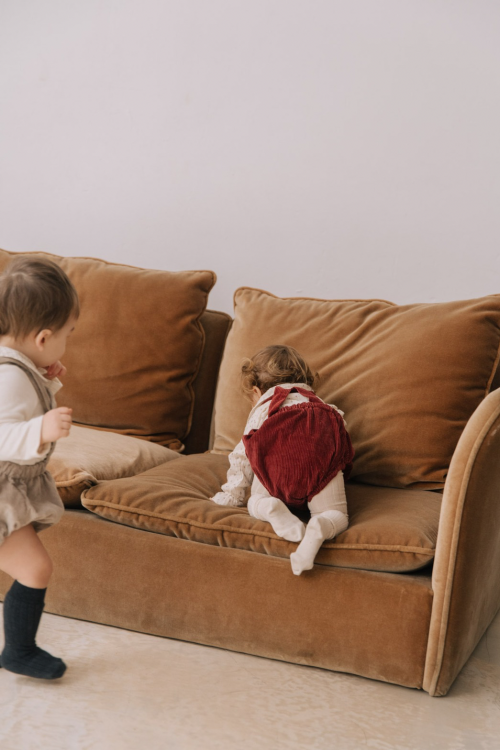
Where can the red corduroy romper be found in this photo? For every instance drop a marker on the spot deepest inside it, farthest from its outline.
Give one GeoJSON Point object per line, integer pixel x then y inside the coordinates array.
{"type": "Point", "coordinates": [299, 448]}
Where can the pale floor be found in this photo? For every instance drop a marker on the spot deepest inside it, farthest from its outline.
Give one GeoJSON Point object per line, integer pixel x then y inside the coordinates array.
{"type": "Point", "coordinates": [129, 691]}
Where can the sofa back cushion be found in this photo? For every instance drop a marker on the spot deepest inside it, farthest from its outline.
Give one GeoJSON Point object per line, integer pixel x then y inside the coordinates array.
{"type": "Point", "coordinates": [407, 377]}
{"type": "Point", "coordinates": [136, 349]}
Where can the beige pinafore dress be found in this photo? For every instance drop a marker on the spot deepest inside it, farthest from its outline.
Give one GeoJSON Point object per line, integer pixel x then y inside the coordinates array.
{"type": "Point", "coordinates": [28, 493]}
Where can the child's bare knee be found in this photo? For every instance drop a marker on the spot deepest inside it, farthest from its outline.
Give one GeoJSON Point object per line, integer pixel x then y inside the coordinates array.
{"type": "Point", "coordinates": [45, 568]}
{"type": "Point", "coordinates": [38, 576]}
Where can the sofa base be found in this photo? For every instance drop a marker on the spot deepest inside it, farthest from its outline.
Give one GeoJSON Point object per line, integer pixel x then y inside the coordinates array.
{"type": "Point", "coordinates": [370, 624]}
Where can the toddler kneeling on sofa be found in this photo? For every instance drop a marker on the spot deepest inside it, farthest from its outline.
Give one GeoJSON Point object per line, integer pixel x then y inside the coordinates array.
{"type": "Point", "coordinates": [294, 453]}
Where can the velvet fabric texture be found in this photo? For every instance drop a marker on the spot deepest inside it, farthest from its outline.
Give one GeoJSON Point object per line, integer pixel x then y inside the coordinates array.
{"type": "Point", "coordinates": [407, 377]}
{"type": "Point", "coordinates": [90, 456]}
{"type": "Point", "coordinates": [175, 564]}
{"type": "Point", "coordinates": [370, 624]}
{"type": "Point", "coordinates": [466, 576]}
{"type": "Point", "coordinates": [136, 349]}
{"type": "Point", "coordinates": [215, 326]}
{"type": "Point", "coordinates": [390, 530]}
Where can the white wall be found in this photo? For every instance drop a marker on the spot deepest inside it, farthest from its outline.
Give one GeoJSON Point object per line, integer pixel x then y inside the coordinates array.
{"type": "Point", "coordinates": [310, 147]}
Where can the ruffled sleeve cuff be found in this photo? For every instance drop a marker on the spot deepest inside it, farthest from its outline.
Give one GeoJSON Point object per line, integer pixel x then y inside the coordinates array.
{"type": "Point", "coordinates": [225, 498]}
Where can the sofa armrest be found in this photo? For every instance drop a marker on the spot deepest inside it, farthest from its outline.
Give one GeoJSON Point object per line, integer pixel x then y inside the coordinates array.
{"type": "Point", "coordinates": [466, 575]}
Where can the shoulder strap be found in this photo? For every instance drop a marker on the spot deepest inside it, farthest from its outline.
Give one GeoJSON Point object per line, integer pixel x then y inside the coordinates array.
{"type": "Point", "coordinates": [281, 394]}
{"type": "Point", "coordinates": [309, 394]}
{"type": "Point", "coordinates": [41, 389]}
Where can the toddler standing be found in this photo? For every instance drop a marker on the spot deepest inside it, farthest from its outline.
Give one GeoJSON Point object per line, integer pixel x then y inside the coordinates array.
{"type": "Point", "coordinates": [38, 311]}
{"type": "Point", "coordinates": [293, 453]}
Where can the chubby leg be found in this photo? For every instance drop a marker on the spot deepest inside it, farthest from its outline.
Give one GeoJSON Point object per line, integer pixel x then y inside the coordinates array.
{"type": "Point", "coordinates": [328, 518]}
{"type": "Point", "coordinates": [24, 558]}
{"type": "Point", "coordinates": [263, 506]}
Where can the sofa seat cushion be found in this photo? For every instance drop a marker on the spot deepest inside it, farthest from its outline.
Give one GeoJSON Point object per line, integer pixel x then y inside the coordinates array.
{"type": "Point", "coordinates": [88, 456]}
{"type": "Point", "coordinates": [390, 530]}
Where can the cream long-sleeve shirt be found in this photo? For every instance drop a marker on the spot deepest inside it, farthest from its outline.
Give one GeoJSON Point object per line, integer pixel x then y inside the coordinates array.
{"type": "Point", "coordinates": [21, 412]}
{"type": "Point", "coordinates": [240, 474]}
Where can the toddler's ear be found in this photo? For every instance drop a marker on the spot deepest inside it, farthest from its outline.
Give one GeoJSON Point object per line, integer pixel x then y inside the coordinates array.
{"type": "Point", "coordinates": [42, 337]}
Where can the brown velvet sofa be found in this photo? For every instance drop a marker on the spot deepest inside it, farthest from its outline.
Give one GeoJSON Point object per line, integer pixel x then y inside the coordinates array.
{"type": "Point", "coordinates": [403, 595]}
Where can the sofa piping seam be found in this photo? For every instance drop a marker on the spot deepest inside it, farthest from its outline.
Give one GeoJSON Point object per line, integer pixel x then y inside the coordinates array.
{"type": "Point", "coordinates": [429, 552]}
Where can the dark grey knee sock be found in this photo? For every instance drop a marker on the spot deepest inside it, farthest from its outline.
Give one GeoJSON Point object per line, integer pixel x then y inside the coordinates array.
{"type": "Point", "coordinates": [22, 610]}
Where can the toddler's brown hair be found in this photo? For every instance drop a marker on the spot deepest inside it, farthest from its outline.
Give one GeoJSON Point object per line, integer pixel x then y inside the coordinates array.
{"type": "Point", "coordinates": [274, 365]}
{"type": "Point", "coordinates": [35, 294]}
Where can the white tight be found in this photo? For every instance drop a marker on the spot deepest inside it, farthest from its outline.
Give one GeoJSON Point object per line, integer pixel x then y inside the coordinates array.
{"type": "Point", "coordinates": [329, 517]}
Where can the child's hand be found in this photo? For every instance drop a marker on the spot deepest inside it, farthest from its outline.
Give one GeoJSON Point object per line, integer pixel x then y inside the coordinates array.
{"type": "Point", "coordinates": [56, 424]}
{"type": "Point", "coordinates": [56, 370]}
